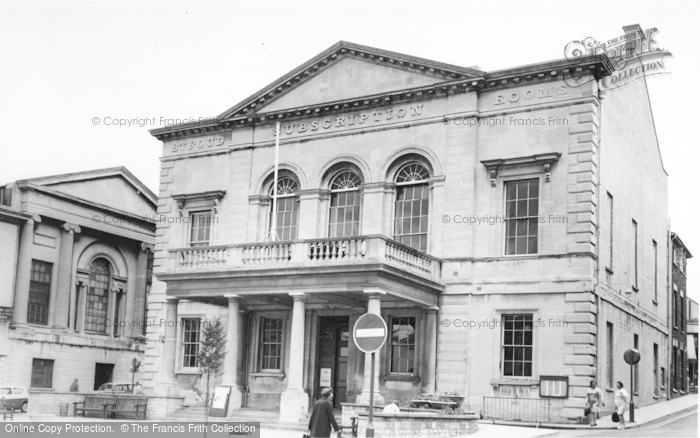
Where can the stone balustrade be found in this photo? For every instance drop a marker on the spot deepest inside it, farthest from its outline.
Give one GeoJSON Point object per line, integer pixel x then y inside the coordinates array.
{"type": "Point", "coordinates": [305, 253]}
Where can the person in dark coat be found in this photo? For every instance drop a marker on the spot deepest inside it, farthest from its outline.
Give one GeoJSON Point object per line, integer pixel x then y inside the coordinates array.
{"type": "Point", "coordinates": [322, 416]}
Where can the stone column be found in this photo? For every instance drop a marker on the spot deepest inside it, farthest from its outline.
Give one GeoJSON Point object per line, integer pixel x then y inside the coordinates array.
{"type": "Point", "coordinates": [231, 359]}
{"type": "Point", "coordinates": [137, 315]}
{"type": "Point", "coordinates": [24, 272]}
{"type": "Point", "coordinates": [167, 370]}
{"type": "Point", "coordinates": [373, 306]}
{"type": "Point", "coordinates": [63, 294]}
{"type": "Point", "coordinates": [82, 297]}
{"type": "Point", "coordinates": [294, 403]}
{"type": "Point", "coordinates": [430, 351]}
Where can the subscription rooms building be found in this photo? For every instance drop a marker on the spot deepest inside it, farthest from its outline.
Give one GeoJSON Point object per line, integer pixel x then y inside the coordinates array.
{"type": "Point", "coordinates": [498, 221]}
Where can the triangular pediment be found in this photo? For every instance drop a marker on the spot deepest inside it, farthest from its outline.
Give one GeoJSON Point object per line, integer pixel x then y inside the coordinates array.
{"type": "Point", "coordinates": [346, 71]}
{"type": "Point", "coordinates": [103, 187]}
{"type": "Point", "coordinates": [349, 78]}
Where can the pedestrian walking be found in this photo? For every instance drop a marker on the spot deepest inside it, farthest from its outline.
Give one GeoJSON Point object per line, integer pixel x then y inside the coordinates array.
{"type": "Point", "coordinates": [594, 399]}
{"type": "Point", "coordinates": [74, 386]}
{"type": "Point", "coordinates": [622, 398]}
{"type": "Point", "coordinates": [138, 389]}
{"type": "Point", "coordinates": [322, 416]}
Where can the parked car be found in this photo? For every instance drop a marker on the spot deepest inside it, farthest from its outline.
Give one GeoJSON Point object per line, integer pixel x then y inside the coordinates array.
{"type": "Point", "coordinates": [116, 387]}
{"type": "Point", "coordinates": [14, 397]}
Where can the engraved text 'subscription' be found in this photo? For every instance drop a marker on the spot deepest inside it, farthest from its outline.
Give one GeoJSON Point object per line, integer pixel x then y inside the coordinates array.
{"type": "Point", "coordinates": [367, 118]}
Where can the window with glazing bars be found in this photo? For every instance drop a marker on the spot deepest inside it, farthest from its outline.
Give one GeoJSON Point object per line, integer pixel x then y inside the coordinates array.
{"type": "Point", "coordinates": [271, 344]}
{"type": "Point", "coordinates": [190, 342]}
{"type": "Point", "coordinates": [200, 228]}
{"type": "Point", "coordinates": [287, 209]}
{"type": "Point", "coordinates": [403, 344]}
{"type": "Point", "coordinates": [411, 207]}
{"type": "Point", "coordinates": [517, 345]}
{"type": "Point", "coordinates": [97, 297]}
{"type": "Point", "coordinates": [42, 373]}
{"type": "Point", "coordinates": [522, 217]}
{"type": "Point", "coordinates": [344, 220]}
{"type": "Point", "coordinates": [39, 292]}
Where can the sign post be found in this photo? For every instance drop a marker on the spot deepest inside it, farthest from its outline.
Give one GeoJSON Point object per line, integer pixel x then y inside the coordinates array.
{"type": "Point", "coordinates": [632, 357]}
{"type": "Point", "coordinates": [369, 335]}
{"type": "Point", "coordinates": [135, 364]}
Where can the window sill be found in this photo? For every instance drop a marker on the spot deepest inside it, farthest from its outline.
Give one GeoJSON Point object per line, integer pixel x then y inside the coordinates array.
{"type": "Point", "coordinates": [279, 376]}
{"type": "Point", "coordinates": [524, 381]}
{"type": "Point", "coordinates": [609, 271]}
{"type": "Point", "coordinates": [400, 378]}
{"type": "Point", "coordinates": [189, 371]}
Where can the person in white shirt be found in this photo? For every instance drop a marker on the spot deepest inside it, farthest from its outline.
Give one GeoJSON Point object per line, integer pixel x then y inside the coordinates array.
{"type": "Point", "coordinates": [392, 408]}
{"type": "Point", "coordinates": [621, 400]}
{"type": "Point", "coordinates": [594, 399]}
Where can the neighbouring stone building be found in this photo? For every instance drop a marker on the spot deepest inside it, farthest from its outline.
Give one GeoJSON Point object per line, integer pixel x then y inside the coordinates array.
{"type": "Point", "coordinates": [678, 353]}
{"type": "Point", "coordinates": [75, 269]}
{"type": "Point", "coordinates": [499, 221]}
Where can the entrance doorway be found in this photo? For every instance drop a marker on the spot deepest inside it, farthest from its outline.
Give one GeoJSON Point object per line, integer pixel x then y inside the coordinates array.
{"type": "Point", "coordinates": [332, 357]}
{"type": "Point", "coordinates": [103, 374]}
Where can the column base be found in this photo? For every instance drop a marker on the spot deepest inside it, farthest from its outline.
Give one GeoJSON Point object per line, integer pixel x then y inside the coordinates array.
{"type": "Point", "coordinates": [235, 401]}
{"type": "Point", "coordinates": [363, 399]}
{"type": "Point", "coordinates": [294, 405]}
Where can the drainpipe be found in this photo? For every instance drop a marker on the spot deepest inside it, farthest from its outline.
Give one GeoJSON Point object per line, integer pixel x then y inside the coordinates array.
{"type": "Point", "coordinates": [595, 285]}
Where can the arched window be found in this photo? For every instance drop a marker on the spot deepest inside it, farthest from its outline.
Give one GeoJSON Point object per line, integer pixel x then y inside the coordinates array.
{"type": "Point", "coordinates": [287, 208]}
{"type": "Point", "coordinates": [344, 218]}
{"type": "Point", "coordinates": [411, 206]}
{"type": "Point", "coordinates": [98, 296]}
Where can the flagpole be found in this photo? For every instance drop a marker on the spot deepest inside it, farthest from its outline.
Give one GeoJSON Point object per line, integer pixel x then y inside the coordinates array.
{"type": "Point", "coordinates": [273, 225]}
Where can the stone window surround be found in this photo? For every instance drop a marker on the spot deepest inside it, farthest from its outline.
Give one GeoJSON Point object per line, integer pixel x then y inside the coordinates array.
{"type": "Point", "coordinates": [256, 337]}
{"type": "Point", "coordinates": [500, 379]}
{"type": "Point", "coordinates": [385, 371]}
{"type": "Point", "coordinates": [180, 351]}
{"type": "Point", "coordinates": [118, 286]}
{"type": "Point", "coordinates": [520, 174]}
{"type": "Point", "coordinates": [188, 203]}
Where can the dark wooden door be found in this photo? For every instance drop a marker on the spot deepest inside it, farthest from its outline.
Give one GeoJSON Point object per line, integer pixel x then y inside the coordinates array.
{"type": "Point", "coordinates": [332, 357]}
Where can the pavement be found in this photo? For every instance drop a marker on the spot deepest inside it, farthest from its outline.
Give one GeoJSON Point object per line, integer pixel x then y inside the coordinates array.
{"type": "Point", "coordinates": [643, 416]}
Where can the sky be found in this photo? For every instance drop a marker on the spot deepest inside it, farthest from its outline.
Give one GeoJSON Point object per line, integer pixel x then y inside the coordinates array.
{"type": "Point", "coordinates": [72, 70]}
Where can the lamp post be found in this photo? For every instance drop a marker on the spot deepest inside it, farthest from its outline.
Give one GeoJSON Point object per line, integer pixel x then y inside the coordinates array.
{"type": "Point", "coordinates": [632, 357]}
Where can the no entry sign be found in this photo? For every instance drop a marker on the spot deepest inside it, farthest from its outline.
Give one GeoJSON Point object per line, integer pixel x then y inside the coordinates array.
{"type": "Point", "coordinates": [369, 333]}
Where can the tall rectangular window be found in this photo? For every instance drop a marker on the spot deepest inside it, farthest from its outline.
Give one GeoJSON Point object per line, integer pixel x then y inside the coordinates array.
{"type": "Point", "coordinates": [656, 369]}
{"type": "Point", "coordinates": [42, 373]}
{"type": "Point", "coordinates": [191, 328]}
{"type": "Point", "coordinates": [656, 270]}
{"type": "Point", "coordinates": [200, 228]}
{"type": "Point", "coordinates": [517, 345]}
{"type": "Point", "coordinates": [610, 358]}
{"type": "Point", "coordinates": [611, 228]}
{"type": "Point", "coordinates": [522, 216]}
{"type": "Point", "coordinates": [39, 292]}
{"type": "Point", "coordinates": [635, 279]}
{"type": "Point", "coordinates": [271, 344]}
{"type": "Point", "coordinates": [403, 344]}
{"type": "Point", "coordinates": [344, 218]}
{"type": "Point", "coordinates": [411, 215]}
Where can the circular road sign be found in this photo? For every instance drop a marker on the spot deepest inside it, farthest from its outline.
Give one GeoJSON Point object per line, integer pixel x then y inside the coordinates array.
{"type": "Point", "coordinates": [369, 332]}
{"type": "Point", "coordinates": [632, 356]}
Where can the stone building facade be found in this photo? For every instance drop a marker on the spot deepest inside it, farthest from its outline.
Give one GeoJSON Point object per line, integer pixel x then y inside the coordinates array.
{"type": "Point", "coordinates": [75, 268]}
{"type": "Point", "coordinates": [498, 221]}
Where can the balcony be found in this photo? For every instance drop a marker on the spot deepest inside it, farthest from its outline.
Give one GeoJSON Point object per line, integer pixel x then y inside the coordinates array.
{"type": "Point", "coordinates": [300, 254]}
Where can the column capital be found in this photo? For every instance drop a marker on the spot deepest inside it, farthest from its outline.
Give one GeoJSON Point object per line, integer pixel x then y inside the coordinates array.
{"type": "Point", "coordinates": [146, 247]}
{"type": "Point", "coordinates": [432, 310]}
{"type": "Point", "coordinates": [171, 300]}
{"type": "Point", "coordinates": [118, 291]}
{"type": "Point", "coordinates": [298, 296]}
{"type": "Point", "coordinates": [232, 297]}
{"type": "Point", "coordinates": [374, 291]}
{"type": "Point", "coordinates": [71, 228]}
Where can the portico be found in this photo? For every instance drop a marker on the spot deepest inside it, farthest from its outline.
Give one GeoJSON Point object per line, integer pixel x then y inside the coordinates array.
{"type": "Point", "coordinates": [284, 324]}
